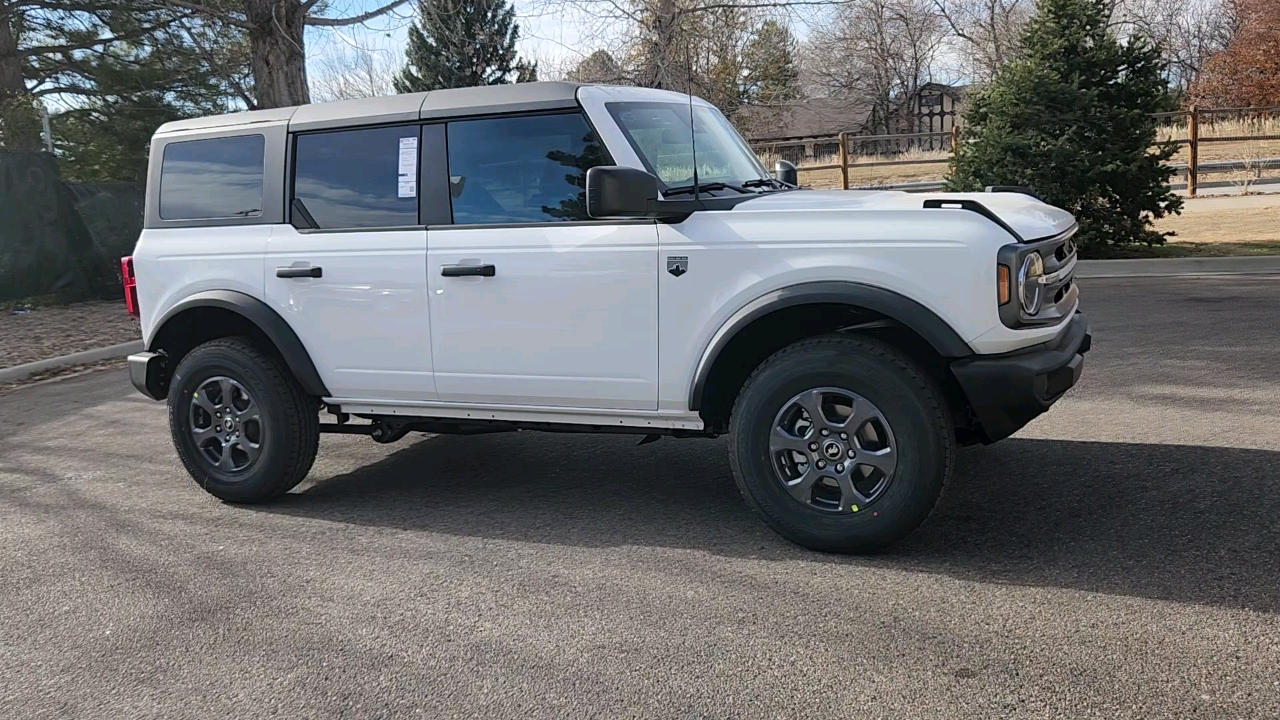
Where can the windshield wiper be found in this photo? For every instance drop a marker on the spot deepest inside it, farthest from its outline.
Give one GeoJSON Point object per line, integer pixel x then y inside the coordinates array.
{"type": "Point", "coordinates": [703, 187]}
{"type": "Point", "coordinates": [766, 182]}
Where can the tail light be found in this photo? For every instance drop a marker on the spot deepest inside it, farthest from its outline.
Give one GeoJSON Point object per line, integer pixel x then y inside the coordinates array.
{"type": "Point", "coordinates": [130, 286]}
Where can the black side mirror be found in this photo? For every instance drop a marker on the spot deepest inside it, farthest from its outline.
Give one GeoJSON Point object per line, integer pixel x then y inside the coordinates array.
{"type": "Point", "coordinates": [621, 192]}
{"type": "Point", "coordinates": [787, 173]}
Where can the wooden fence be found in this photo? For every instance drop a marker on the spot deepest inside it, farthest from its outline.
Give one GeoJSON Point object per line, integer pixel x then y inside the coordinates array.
{"type": "Point", "coordinates": [1194, 139]}
{"type": "Point", "coordinates": [1193, 117]}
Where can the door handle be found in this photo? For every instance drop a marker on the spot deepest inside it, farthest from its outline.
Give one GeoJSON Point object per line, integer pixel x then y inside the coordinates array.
{"type": "Point", "coordinates": [300, 272]}
{"type": "Point", "coordinates": [466, 270]}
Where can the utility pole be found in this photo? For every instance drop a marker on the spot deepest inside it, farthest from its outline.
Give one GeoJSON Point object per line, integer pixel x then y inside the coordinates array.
{"type": "Point", "coordinates": [48, 132]}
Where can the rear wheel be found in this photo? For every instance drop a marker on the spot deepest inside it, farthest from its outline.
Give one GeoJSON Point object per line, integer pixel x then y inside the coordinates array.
{"type": "Point", "coordinates": [842, 444]}
{"type": "Point", "coordinates": [243, 427]}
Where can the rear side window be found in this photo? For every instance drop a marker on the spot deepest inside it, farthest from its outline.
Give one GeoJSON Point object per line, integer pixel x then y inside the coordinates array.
{"type": "Point", "coordinates": [358, 178]}
{"type": "Point", "coordinates": [210, 179]}
{"type": "Point", "coordinates": [521, 169]}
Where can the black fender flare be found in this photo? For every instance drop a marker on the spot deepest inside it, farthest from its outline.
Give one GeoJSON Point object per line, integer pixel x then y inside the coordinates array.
{"type": "Point", "coordinates": [898, 308]}
{"type": "Point", "coordinates": [276, 329]}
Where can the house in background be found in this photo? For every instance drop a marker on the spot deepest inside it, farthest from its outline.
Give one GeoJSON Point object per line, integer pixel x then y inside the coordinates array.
{"type": "Point", "coordinates": [808, 129]}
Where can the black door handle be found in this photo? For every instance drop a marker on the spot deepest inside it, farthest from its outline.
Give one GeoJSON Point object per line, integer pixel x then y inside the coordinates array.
{"type": "Point", "coordinates": [465, 270]}
{"type": "Point", "coordinates": [299, 272]}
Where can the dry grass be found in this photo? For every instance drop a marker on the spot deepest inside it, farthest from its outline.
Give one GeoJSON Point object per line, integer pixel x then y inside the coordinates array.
{"type": "Point", "coordinates": [1209, 224]}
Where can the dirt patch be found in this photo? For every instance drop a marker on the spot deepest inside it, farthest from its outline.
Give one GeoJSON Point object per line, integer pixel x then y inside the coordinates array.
{"type": "Point", "coordinates": [49, 332]}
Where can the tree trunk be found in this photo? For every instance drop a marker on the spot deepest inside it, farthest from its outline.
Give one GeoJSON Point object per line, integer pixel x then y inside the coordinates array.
{"type": "Point", "coordinates": [19, 121]}
{"type": "Point", "coordinates": [279, 63]}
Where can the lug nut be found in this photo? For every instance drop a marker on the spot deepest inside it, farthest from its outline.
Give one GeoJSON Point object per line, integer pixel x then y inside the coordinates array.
{"type": "Point", "coordinates": [813, 447]}
{"type": "Point", "coordinates": [844, 436]}
{"type": "Point", "coordinates": [821, 465]}
{"type": "Point", "coordinates": [825, 432]}
{"type": "Point", "coordinates": [851, 452]}
{"type": "Point", "coordinates": [839, 467]}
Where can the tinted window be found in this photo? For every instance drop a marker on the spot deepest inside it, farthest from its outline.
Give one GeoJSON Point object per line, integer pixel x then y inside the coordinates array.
{"type": "Point", "coordinates": [525, 169]}
{"type": "Point", "coordinates": [219, 178]}
{"type": "Point", "coordinates": [358, 178]}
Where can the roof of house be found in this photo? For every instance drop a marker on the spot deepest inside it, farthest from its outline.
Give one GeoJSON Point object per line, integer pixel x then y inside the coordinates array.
{"type": "Point", "coordinates": [809, 117]}
{"type": "Point", "coordinates": [434, 104]}
{"type": "Point", "coordinates": [819, 117]}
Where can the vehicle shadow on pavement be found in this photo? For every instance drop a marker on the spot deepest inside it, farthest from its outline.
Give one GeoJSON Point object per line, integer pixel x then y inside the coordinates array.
{"type": "Point", "coordinates": [1182, 523]}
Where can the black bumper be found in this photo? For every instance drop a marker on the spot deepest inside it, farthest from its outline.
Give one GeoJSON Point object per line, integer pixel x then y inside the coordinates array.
{"type": "Point", "coordinates": [1008, 391]}
{"type": "Point", "coordinates": [147, 373]}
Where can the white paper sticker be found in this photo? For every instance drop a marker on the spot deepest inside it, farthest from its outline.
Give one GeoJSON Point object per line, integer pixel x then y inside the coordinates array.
{"type": "Point", "coordinates": [408, 188]}
{"type": "Point", "coordinates": [408, 157]}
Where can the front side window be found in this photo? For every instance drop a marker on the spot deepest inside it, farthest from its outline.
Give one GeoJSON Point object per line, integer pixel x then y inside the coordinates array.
{"type": "Point", "coordinates": [212, 179]}
{"type": "Point", "coordinates": [660, 134]}
{"type": "Point", "coordinates": [521, 169]}
{"type": "Point", "coordinates": [358, 178]}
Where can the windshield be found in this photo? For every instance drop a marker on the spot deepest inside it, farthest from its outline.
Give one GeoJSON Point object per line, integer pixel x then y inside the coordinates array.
{"type": "Point", "coordinates": [659, 132]}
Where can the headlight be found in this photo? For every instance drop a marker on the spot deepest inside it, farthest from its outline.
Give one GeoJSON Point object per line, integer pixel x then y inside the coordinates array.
{"type": "Point", "coordinates": [1030, 291]}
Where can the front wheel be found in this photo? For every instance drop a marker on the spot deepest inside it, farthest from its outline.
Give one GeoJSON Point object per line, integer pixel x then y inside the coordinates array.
{"type": "Point", "coordinates": [243, 427]}
{"type": "Point", "coordinates": [842, 444]}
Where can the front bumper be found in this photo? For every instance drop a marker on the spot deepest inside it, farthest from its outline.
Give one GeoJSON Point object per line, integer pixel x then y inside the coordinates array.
{"type": "Point", "coordinates": [1008, 391]}
{"type": "Point", "coordinates": [147, 373]}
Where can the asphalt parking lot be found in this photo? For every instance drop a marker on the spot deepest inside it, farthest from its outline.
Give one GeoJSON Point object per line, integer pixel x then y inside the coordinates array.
{"type": "Point", "coordinates": [1120, 557]}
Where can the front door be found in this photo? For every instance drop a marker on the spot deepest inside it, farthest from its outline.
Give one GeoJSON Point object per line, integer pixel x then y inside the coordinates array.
{"type": "Point", "coordinates": [354, 289]}
{"type": "Point", "coordinates": [532, 303]}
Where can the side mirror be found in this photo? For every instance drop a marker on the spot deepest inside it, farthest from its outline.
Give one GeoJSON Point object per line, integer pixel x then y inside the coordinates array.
{"type": "Point", "coordinates": [621, 192]}
{"type": "Point", "coordinates": [787, 173]}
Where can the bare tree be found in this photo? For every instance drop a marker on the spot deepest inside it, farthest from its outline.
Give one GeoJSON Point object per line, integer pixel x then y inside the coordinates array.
{"type": "Point", "coordinates": [1189, 32]}
{"type": "Point", "coordinates": [986, 32]}
{"type": "Point", "coordinates": [875, 52]}
{"type": "Point", "coordinates": [276, 29]}
{"type": "Point", "coordinates": [354, 72]}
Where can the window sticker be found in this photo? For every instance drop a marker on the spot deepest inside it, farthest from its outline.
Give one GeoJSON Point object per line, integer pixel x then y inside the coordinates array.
{"type": "Point", "coordinates": [407, 186]}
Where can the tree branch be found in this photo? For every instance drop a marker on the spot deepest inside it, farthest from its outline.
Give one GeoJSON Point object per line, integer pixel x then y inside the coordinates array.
{"type": "Point", "coordinates": [356, 20]}
{"type": "Point", "coordinates": [89, 44]}
{"type": "Point", "coordinates": [206, 10]}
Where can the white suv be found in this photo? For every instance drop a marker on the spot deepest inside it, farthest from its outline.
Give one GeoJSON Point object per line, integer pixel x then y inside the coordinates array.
{"type": "Point", "coordinates": [550, 256]}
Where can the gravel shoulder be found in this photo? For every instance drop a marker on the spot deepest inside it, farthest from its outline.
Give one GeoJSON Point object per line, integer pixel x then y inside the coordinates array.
{"type": "Point", "coordinates": [50, 332]}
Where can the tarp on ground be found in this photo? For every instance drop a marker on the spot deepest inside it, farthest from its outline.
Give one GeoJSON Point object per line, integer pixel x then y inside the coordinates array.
{"type": "Point", "coordinates": [58, 240]}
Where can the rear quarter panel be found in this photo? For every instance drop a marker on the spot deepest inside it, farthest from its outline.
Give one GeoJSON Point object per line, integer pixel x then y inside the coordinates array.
{"type": "Point", "coordinates": [174, 263]}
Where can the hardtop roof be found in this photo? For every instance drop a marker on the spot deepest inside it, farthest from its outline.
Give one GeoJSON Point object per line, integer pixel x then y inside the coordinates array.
{"type": "Point", "coordinates": [434, 104]}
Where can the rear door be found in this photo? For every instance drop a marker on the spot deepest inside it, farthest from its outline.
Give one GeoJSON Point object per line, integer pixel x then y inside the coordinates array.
{"type": "Point", "coordinates": [354, 288]}
{"type": "Point", "coordinates": [532, 303]}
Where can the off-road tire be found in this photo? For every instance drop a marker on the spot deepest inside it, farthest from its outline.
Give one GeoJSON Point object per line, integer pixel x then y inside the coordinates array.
{"type": "Point", "coordinates": [909, 400]}
{"type": "Point", "coordinates": [290, 435]}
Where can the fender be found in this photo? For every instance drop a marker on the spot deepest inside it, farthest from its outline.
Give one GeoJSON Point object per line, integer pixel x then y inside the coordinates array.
{"type": "Point", "coordinates": [898, 308]}
{"type": "Point", "coordinates": [266, 320]}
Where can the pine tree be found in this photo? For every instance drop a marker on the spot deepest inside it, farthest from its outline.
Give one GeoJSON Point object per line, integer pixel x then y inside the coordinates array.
{"type": "Point", "coordinates": [769, 58]}
{"type": "Point", "coordinates": [463, 43]}
{"type": "Point", "coordinates": [1071, 119]}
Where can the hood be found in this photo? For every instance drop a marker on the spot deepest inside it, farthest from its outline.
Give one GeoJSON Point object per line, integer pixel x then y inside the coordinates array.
{"type": "Point", "coordinates": [1029, 217]}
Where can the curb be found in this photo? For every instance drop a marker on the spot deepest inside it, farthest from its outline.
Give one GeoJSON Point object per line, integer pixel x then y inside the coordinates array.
{"type": "Point", "coordinates": [1179, 267]}
{"type": "Point", "coordinates": [22, 372]}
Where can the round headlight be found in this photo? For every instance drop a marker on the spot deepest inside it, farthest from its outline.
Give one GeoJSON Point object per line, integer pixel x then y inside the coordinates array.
{"type": "Point", "coordinates": [1030, 291]}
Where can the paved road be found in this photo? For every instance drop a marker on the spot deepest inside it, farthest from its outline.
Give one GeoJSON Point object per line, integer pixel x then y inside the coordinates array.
{"type": "Point", "coordinates": [1119, 558]}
